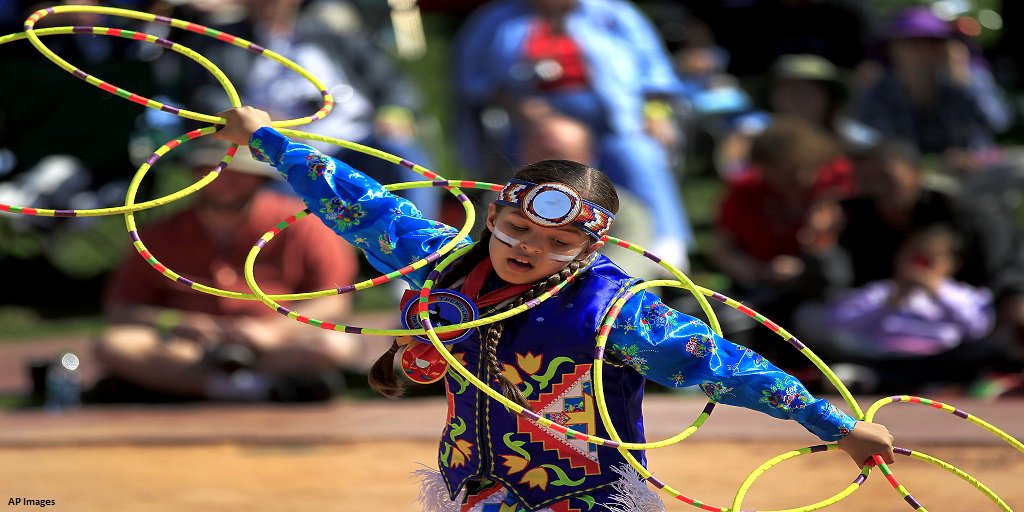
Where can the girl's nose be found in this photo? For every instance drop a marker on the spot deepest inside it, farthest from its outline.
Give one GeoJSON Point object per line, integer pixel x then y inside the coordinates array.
{"type": "Point", "coordinates": [529, 244]}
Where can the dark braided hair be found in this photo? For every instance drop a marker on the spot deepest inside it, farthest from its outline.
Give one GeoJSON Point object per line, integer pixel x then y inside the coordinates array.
{"type": "Point", "coordinates": [496, 329]}
{"type": "Point", "coordinates": [382, 376]}
{"type": "Point", "coordinates": [591, 183]}
{"type": "Point", "coordinates": [594, 186]}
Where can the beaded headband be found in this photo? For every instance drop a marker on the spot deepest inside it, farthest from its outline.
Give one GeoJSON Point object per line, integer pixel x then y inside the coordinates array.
{"type": "Point", "coordinates": [554, 205]}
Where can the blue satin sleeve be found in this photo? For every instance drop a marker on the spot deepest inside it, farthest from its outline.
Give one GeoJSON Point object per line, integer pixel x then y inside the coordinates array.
{"type": "Point", "coordinates": [678, 350]}
{"type": "Point", "coordinates": [389, 229]}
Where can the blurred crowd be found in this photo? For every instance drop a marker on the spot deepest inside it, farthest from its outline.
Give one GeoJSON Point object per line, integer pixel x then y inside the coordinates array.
{"type": "Point", "coordinates": [868, 181]}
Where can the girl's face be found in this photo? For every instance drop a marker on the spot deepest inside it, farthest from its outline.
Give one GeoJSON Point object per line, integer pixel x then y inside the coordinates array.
{"type": "Point", "coordinates": [529, 258]}
{"type": "Point", "coordinates": [927, 253]}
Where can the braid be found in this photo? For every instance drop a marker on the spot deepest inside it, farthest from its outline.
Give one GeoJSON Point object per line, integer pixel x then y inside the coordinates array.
{"type": "Point", "coordinates": [382, 376]}
{"type": "Point", "coordinates": [495, 330]}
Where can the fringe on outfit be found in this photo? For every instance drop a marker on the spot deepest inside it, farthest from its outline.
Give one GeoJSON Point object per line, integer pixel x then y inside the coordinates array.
{"type": "Point", "coordinates": [434, 494]}
{"type": "Point", "coordinates": [631, 494]}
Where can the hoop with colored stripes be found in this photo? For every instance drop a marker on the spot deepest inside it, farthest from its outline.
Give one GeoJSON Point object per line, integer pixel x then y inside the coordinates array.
{"type": "Point", "coordinates": [229, 88]}
{"type": "Point", "coordinates": [30, 33]}
{"type": "Point", "coordinates": [450, 252]}
{"type": "Point", "coordinates": [270, 301]}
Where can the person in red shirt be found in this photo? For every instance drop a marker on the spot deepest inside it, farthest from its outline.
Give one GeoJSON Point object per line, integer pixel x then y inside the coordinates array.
{"type": "Point", "coordinates": [600, 62]}
{"type": "Point", "coordinates": [172, 342]}
{"type": "Point", "coordinates": [777, 223]}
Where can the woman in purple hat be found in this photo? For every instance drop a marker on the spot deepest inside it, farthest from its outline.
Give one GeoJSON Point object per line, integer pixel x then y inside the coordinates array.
{"type": "Point", "coordinates": [933, 92]}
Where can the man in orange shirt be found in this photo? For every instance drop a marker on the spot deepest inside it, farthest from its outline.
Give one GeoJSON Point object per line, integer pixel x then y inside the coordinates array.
{"type": "Point", "coordinates": [177, 343]}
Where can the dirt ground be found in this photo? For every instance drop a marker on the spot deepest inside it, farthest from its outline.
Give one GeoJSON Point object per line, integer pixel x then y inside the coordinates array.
{"type": "Point", "coordinates": [376, 477]}
{"type": "Point", "coordinates": [358, 455]}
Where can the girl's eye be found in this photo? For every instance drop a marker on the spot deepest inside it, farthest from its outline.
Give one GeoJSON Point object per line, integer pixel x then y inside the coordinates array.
{"type": "Point", "coordinates": [518, 228]}
{"type": "Point", "coordinates": [560, 243]}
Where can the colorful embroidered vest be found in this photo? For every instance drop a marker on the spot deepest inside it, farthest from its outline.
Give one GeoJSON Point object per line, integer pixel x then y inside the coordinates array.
{"type": "Point", "coordinates": [549, 352]}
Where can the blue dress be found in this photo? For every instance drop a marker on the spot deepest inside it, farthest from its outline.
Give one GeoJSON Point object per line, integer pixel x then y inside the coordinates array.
{"type": "Point", "coordinates": [484, 446]}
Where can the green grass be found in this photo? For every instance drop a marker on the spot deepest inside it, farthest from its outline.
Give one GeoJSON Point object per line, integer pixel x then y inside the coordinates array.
{"type": "Point", "coordinates": [25, 324]}
{"type": "Point", "coordinates": [12, 402]}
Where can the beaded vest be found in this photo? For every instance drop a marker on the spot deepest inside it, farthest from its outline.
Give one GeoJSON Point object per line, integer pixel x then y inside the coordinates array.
{"type": "Point", "coordinates": [549, 353]}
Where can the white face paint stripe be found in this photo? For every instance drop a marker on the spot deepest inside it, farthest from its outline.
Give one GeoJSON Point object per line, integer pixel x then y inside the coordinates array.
{"type": "Point", "coordinates": [503, 238]}
{"type": "Point", "coordinates": [561, 257]}
{"type": "Point", "coordinates": [512, 242]}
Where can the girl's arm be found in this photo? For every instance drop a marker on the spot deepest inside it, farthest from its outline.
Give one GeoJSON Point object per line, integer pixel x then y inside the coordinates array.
{"type": "Point", "coordinates": [677, 350]}
{"type": "Point", "coordinates": [389, 229]}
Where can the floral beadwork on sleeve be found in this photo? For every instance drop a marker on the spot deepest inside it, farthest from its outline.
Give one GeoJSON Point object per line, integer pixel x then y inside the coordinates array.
{"type": "Point", "coordinates": [319, 166]}
{"type": "Point", "coordinates": [715, 390]}
{"type": "Point", "coordinates": [659, 316]}
{"type": "Point", "coordinates": [384, 243]}
{"type": "Point", "coordinates": [701, 346]}
{"type": "Point", "coordinates": [408, 210]}
{"type": "Point", "coordinates": [749, 358]}
{"type": "Point", "coordinates": [630, 356]}
{"type": "Point", "coordinates": [785, 395]}
{"type": "Point", "coordinates": [832, 414]}
{"type": "Point", "coordinates": [344, 214]}
{"type": "Point", "coordinates": [257, 152]}
{"type": "Point", "coordinates": [439, 229]}
{"type": "Point", "coordinates": [677, 350]}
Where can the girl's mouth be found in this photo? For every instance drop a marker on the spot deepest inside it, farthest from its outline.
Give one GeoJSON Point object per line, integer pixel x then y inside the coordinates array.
{"type": "Point", "coordinates": [519, 265]}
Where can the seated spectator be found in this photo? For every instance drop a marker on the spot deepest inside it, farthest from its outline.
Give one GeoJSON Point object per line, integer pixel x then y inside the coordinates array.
{"type": "Point", "coordinates": [935, 92]}
{"type": "Point", "coordinates": [895, 202]}
{"type": "Point", "coordinates": [918, 327]}
{"type": "Point", "coordinates": [557, 137]}
{"type": "Point", "coordinates": [376, 104]}
{"type": "Point", "coordinates": [714, 99]}
{"type": "Point", "coordinates": [778, 219]}
{"type": "Point", "coordinates": [803, 86]}
{"type": "Point", "coordinates": [600, 62]}
{"type": "Point", "coordinates": [166, 341]}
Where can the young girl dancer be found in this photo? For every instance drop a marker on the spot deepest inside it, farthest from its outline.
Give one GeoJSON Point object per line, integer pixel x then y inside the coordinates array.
{"type": "Point", "coordinates": [544, 227]}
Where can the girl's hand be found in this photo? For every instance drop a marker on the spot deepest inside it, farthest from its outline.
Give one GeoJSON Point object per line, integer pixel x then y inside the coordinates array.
{"type": "Point", "coordinates": [242, 122]}
{"type": "Point", "coordinates": [867, 439]}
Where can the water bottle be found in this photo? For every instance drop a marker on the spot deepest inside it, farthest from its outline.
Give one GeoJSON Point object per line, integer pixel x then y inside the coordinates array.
{"type": "Point", "coordinates": [63, 383]}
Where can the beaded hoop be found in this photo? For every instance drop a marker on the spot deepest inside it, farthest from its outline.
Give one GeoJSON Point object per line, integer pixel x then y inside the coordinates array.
{"type": "Point", "coordinates": [30, 32]}
{"type": "Point", "coordinates": [547, 204]}
{"type": "Point", "coordinates": [229, 88]}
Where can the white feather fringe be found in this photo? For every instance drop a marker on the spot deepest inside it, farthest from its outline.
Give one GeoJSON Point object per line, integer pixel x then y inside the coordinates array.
{"type": "Point", "coordinates": [434, 494]}
{"type": "Point", "coordinates": [632, 493]}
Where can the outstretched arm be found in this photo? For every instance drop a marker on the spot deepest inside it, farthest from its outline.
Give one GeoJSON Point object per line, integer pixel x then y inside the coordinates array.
{"type": "Point", "coordinates": [677, 350]}
{"type": "Point", "coordinates": [387, 228]}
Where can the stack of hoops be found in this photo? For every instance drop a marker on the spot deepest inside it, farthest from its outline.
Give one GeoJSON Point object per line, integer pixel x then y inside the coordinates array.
{"type": "Point", "coordinates": [446, 255]}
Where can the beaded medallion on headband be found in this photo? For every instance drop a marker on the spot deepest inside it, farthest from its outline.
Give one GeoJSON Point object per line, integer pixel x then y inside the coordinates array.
{"type": "Point", "coordinates": [554, 205]}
